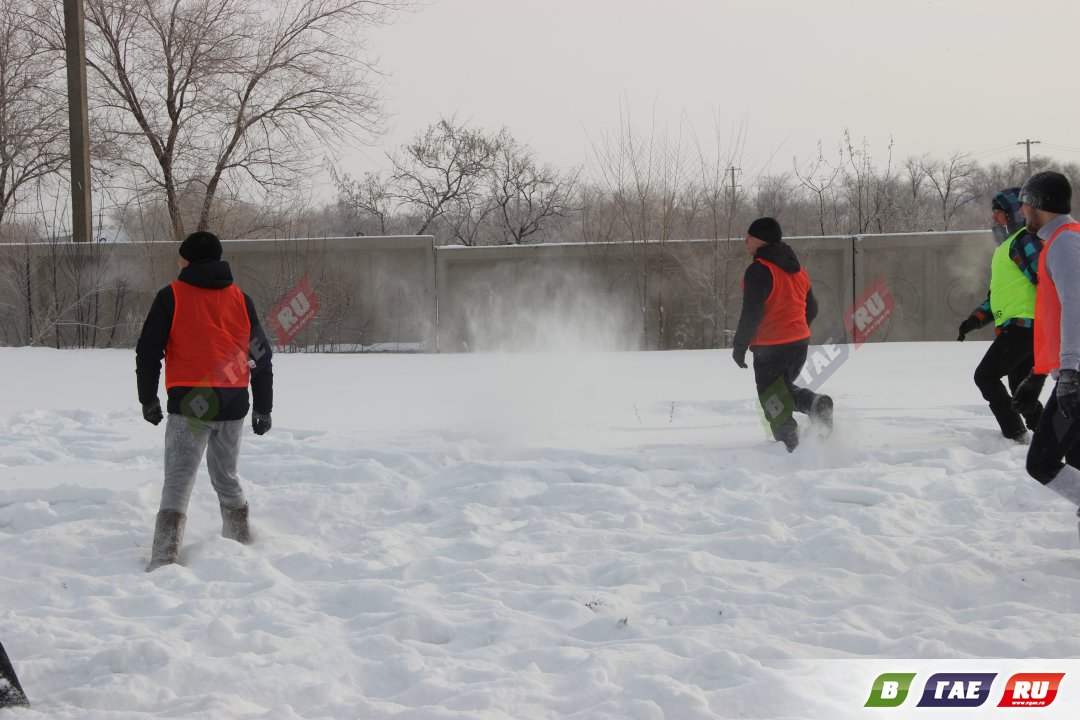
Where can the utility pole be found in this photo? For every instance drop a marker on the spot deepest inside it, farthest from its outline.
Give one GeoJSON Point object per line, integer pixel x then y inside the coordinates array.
{"type": "Point", "coordinates": [1029, 143]}
{"type": "Point", "coordinates": [733, 186]}
{"type": "Point", "coordinates": [82, 218]}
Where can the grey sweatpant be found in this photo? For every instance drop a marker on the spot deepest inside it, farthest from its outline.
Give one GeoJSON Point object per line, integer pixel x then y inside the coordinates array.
{"type": "Point", "coordinates": [185, 444]}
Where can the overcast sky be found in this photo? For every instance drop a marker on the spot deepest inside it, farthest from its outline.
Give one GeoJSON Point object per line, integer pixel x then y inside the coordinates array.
{"type": "Point", "coordinates": [937, 76]}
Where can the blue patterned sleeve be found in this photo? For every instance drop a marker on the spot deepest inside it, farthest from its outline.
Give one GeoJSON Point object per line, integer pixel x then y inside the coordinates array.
{"type": "Point", "coordinates": [1025, 253]}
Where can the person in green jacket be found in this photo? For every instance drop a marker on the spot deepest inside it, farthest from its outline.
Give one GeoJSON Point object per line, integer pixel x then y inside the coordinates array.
{"type": "Point", "coordinates": [1010, 305]}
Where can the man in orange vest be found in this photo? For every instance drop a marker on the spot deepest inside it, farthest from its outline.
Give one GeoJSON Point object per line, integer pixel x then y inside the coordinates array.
{"type": "Point", "coordinates": [778, 307]}
{"type": "Point", "coordinates": [209, 334]}
{"type": "Point", "coordinates": [1054, 455]}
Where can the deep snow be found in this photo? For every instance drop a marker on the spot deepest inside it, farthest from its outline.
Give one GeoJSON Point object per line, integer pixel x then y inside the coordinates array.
{"type": "Point", "coordinates": [529, 536]}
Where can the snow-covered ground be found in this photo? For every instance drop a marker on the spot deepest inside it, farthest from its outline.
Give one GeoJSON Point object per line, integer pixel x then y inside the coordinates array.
{"type": "Point", "coordinates": [528, 536]}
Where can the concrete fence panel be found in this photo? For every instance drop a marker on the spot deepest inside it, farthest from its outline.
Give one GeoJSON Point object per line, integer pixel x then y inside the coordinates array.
{"type": "Point", "coordinates": [405, 294]}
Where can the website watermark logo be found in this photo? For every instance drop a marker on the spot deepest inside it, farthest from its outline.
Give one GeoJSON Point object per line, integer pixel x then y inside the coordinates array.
{"type": "Point", "coordinates": [870, 312]}
{"type": "Point", "coordinates": [1031, 690]}
{"type": "Point", "coordinates": [296, 309]}
{"type": "Point", "coordinates": [966, 690]}
{"type": "Point", "coordinates": [957, 690]}
{"type": "Point", "coordinates": [865, 317]}
{"type": "Point", "coordinates": [203, 403]}
{"type": "Point", "coordinates": [890, 690]}
{"type": "Point", "coordinates": [862, 319]}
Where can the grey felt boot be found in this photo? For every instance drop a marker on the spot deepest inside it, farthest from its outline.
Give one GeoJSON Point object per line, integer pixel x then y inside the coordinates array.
{"type": "Point", "coordinates": [234, 524]}
{"type": "Point", "coordinates": [168, 534]}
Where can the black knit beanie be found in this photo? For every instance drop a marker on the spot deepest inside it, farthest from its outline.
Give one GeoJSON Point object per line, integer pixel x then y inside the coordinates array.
{"type": "Point", "coordinates": [200, 247]}
{"type": "Point", "coordinates": [1049, 191]}
{"type": "Point", "coordinates": [766, 229]}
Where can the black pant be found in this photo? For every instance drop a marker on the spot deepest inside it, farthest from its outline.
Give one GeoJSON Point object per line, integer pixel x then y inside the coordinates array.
{"type": "Point", "coordinates": [1055, 439]}
{"type": "Point", "coordinates": [11, 692]}
{"type": "Point", "coordinates": [775, 370]}
{"type": "Point", "coordinates": [1011, 355]}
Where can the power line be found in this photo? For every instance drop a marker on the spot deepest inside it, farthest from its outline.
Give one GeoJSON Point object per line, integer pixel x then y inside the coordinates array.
{"type": "Point", "coordinates": [993, 151]}
{"type": "Point", "coordinates": [1062, 147]}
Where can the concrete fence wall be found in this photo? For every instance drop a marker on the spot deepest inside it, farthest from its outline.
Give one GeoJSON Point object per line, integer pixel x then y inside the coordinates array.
{"type": "Point", "coordinates": [403, 293]}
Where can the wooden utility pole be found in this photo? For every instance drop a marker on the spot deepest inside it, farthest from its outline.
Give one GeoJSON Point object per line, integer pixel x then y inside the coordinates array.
{"type": "Point", "coordinates": [82, 220]}
{"type": "Point", "coordinates": [1029, 143]}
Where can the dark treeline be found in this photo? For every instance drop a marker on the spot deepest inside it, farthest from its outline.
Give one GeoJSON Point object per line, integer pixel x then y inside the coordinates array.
{"type": "Point", "coordinates": [469, 187]}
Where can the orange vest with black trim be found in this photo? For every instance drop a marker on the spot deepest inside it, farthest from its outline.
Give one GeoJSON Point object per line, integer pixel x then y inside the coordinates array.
{"type": "Point", "coordinates": [210, 338]}
{"type": "Point", "coordinates": [1048, 312]}
{"type": "Point", "coordinates": [784, 320]}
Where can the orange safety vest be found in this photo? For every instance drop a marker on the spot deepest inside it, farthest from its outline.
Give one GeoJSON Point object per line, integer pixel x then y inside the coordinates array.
{"type": "Point", "coordinates": [784, 320]}
{"type": "Point", "coordinates": [210, 338]}
{"type": "Point", "coordinates": [1048, 312]}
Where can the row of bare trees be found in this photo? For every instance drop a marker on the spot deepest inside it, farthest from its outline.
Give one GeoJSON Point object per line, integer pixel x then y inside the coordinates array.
{"type": "Point", "coordinates": [462, 184]}
{"type": "Point", "coordinates": [196, 106]}
{"type": "Point", "coordinates": [469, 186]}
{"type": "Point", "coordinates": [848, 193]}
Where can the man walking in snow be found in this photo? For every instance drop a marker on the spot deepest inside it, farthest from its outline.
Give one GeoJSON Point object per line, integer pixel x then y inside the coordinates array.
{"type": "Point", "coordinates": [209, 334]}
{"type": "Point", "coordinates": [1054, 456]}
{"type": "Point", "coordinates": [1010, 305]}
{"type": "Point", "coordinates": [778, 307]}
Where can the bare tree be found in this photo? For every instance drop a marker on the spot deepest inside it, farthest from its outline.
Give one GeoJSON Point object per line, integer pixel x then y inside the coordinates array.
{"type": "Point", "coordinates": [525, 194]}
{"type": "Point", "coordinates": [228, 93]}
{"type": "Point", "coordinates": [865, 189]}
{"type": "Point", "coordinates": [444, 165]}
{"type": "Point", "coordinates": [33, 118]}
{"type": "Point", "coordinates": [818, 177]}
{"type": "Point", "coordinates": [596, 216]}
{"type": "Point", "coordinates": [719, 199]}
{"type": "Point", "coordinates": [367, 198]}
{"type": "Point", "coordinates": [773, 194]}
{"type": "Point", "coordinates": [951, 180]}
{"type": "Point", "coordinates": [644, 175]}
{"type": "Point", "coordinates": [470, 219]}
{"type": "Point", "coordinates": [911, 210]}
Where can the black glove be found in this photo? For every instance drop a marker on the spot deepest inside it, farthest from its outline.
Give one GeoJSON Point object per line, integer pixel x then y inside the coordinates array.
{"type": "Point", "coordinates": [1026, 396]}
{"type": "Point", "coordinates": [151, 412]}
{"type": "Point", "coordinates": [260, 422]}
{"type": "Point", "coordinates": [739, 356]}
{"type": "Point", "coordinates": [967, 326]}
{"type": "Point", "coordinates": [1068, 393]}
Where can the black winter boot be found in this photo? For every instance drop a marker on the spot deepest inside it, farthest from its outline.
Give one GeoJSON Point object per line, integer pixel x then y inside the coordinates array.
{"type": "Point", "coordinates": [821, 412]}
{"type": "Point", "coordinates": [168, 534]}
{"type": "Point", "coordinates": [1010, 422]}
{"type": "Point", "coordinates": [788, 433]}
{"type": "Point", "coordinates": [234, 524]}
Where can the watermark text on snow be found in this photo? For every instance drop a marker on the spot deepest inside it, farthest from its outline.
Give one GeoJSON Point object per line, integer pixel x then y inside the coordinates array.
{"type": "Point", "coordinates": [865, 317]}
{"type": "Point", "coordinates": [294, 312]}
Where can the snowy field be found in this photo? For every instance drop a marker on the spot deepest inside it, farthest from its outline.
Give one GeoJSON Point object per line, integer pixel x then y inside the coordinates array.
{"type": "Point", "coordinates": [526, 536]}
